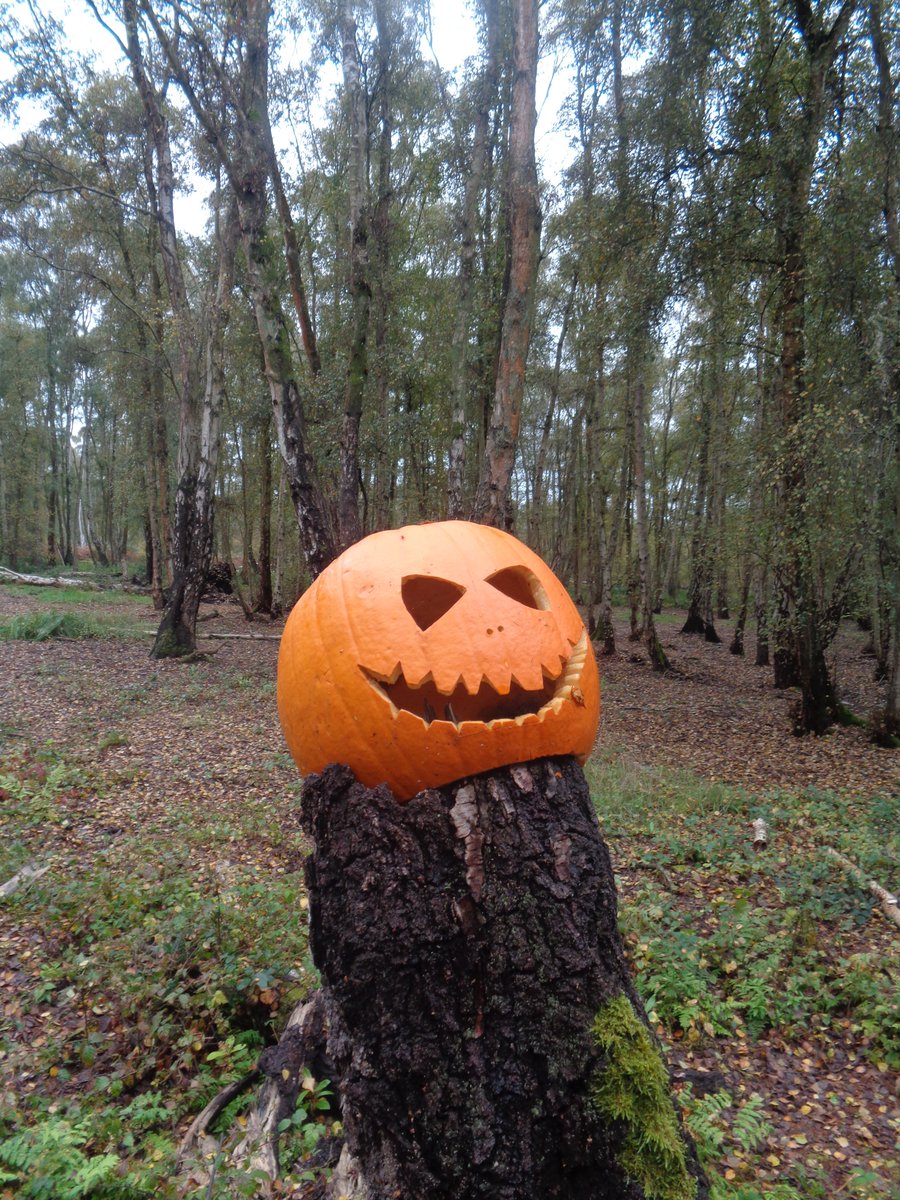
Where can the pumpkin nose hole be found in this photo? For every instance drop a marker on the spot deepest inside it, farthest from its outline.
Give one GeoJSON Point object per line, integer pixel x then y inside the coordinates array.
{"type": "Point", "coordinates": [519, 584]}
{"type": "Point", "coordinates": [427, 598]}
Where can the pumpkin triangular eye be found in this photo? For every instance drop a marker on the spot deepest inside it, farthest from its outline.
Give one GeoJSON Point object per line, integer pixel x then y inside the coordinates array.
{"type": "Point", "coordinates": [519, 584]}
{"type": "Point", "coordinates": [428, 598]}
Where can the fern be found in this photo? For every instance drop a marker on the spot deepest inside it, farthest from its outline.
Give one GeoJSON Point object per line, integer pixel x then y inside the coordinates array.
{"type": "Point", "coordinates": [746, 1126]}
{"type": "Point", "coordinates": [50, 1164]}
{"type": "Point", "coordinates": [749, 1128]}
{"type": "Point", "coordinates": [703, 1118]}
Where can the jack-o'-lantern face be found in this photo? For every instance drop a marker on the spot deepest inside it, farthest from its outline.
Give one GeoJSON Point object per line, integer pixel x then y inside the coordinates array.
{"type": "Point", "coordinates": [428, 653]}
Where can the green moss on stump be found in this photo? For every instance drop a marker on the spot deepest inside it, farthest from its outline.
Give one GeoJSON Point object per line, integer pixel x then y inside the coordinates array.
{"type": "Point", "coordinates": [633, 1088]}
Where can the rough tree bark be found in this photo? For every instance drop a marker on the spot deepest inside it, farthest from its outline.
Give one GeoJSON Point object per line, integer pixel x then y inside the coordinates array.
{"type": "Point", "coordinates": [481, 1014]}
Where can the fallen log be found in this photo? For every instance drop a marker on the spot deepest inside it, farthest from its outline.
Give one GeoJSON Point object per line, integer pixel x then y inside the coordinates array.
{"type": "Point", "coordinates": [239, 637]}
{"type": "Point", "coordinates": [889, 902]}
{"type": "Point", "coordinates": [54, 581]}
{"type": "Point", "coordinates": [27, 874]}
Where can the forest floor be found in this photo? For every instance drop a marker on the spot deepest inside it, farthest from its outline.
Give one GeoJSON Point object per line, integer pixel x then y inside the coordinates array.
{"type": "Point", "coordinates": [166, 942]}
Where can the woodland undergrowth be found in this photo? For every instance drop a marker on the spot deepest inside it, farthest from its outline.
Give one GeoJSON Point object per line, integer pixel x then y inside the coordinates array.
{"type": "Point", "coordinates": [166, 942]}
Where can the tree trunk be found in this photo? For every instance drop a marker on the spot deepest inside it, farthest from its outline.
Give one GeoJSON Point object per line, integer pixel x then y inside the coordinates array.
{"type": "Point", "coordinates": [198, 453]}
{"type": "Point", "coordinates": [648, 627]}
{"type": "Point", "coordinates": [889, 534]}
{"type": "Point", "coordinates": [737, 642]}
{"type": "Point", "coordinates": [383, 286]}
{"type": "Point", "coordinates": [700, 614]}
{"type": "Point", "coordinates": [537, 491]}
{"type": "Point", "coordinates": [466, 280]}
{"type": "Point", "coordinates": [198, 417]}
{"type": "Point", "coordinates": [263, 600]}
{"type": "Point", "coordinates": [603, 629]}
{"type": "Point", "coordinates": [278, 584]}
{"type": "Point", "coordinates": [247, 156]}
{"type": "Point", "coordinates": [799, 645]}
{"type": "Point", "coordinates": [483, 1025]}
{"type": "Point", "coordinates": [493, 501]}
{"type": "Point", "coordinates": [359, 287]}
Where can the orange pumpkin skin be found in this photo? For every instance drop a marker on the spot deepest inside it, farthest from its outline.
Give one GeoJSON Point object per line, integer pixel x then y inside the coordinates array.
{"type": "Point", "coordinates": [432, 652]}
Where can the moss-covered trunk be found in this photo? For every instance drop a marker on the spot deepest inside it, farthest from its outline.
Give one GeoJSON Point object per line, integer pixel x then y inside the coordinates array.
{"type": "Point", "coordinates": [486, 1036]}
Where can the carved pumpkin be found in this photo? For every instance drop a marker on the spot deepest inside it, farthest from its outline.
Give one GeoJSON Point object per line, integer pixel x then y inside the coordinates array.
{"type": "Point", "coordinates": [425, 654]}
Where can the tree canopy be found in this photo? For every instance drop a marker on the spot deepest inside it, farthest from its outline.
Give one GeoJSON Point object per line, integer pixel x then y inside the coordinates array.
{"type": "Point", "coordinates": [672, 366]}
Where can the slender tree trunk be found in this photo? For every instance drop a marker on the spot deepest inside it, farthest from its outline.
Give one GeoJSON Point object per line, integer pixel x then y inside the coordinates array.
{"type": "Point", "coordinates": [648, 628]}
{"type": "Point", "coordinates": [889, 548]}
{"type": "Point", "coordinates": [493, 501]}
{"type": "Point", "coordinates": [278, 586]}
{"type": "Point", "coordinates": [382, 291]}
{"type": "Point", "coordinates": [196, 455]}
{"type": "Point", "coordinates": [263, 600]}
{"type": "Point", "coordinates": [197, 463]}
{"type": "Point", "coordinates": [700, 614]}
{"type": "Point", "coordinates": [737, 642]}
{"type": "Point", "coordinates": [474, 187]}
{"type": "Point", "coordinates": [360, 288]}
{"type": "Point", "coordinates": [53, 447]}
{"type": "Point", "coordinates": [603, 628]}
{"type": "Point", "coordinates": [537, 489]}
{"type": "Point", "coordinates": [246, 155]}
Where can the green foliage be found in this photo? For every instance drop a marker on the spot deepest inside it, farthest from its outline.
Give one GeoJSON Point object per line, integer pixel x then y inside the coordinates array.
{"type": "Point", "coordinates": [632, 1087]}
{"type": "Point", "coordinates": [716, 1121]}
{"type": "Point", "coordinates": [765, 952]}
{"type": "Point", "coordinates": [48, 1161]}
{"type": "Point", "coordinates": [163, 978]}
{"type": "Point", "coordinates": [41, 626]}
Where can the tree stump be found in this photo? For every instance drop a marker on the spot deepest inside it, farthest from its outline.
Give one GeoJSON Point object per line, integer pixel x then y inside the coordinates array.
{"type": "Point", "coordinates": [486, 1036]}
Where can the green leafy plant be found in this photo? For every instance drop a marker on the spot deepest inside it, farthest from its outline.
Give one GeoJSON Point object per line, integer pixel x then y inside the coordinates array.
{"type": "Point", "coordinates": [42, 626]}
{"type": "Point", "coordinates": [49, 1160]}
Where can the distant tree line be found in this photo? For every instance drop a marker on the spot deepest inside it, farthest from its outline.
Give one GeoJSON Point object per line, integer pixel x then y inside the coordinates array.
{"type": "Point", "coordinates": [674, 370]}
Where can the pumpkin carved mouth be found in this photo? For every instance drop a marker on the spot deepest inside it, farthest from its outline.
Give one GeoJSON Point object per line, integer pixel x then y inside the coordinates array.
{"type": "Point", "coordinates": [487, 705]}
